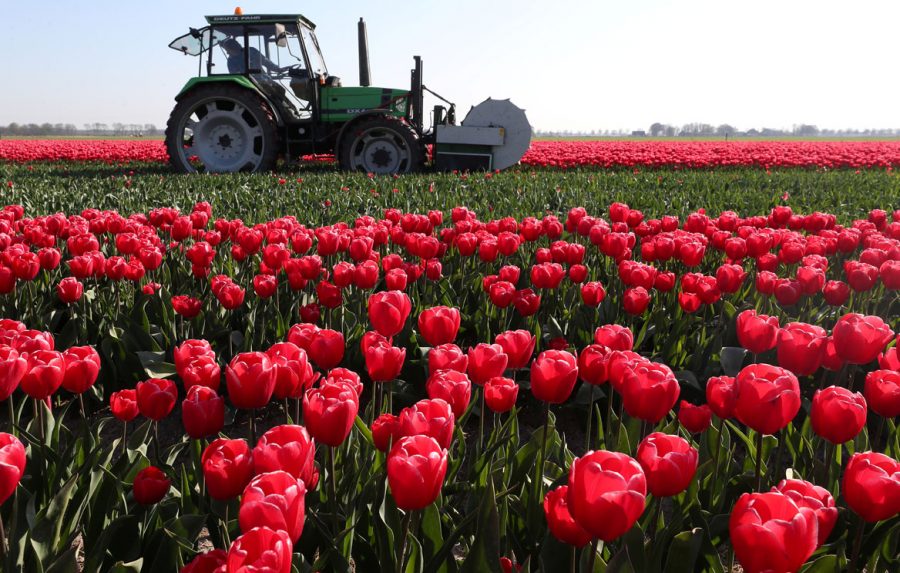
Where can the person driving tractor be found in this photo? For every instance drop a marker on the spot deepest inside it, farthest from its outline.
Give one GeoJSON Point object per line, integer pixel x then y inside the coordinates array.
{"type": "Point", "coordinates": [235, 53]}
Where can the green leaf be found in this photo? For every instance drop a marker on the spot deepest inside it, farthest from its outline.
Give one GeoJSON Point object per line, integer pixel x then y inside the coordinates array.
{"type": "Point", "coordinates": [732, 358]}
{"type": "Point", "coordinates": [484, 554]}
{"type": "Point", "coordinates": [684, 550]}
{"type": "Point", "coordinates": [155, 364]}
{"type": "Point", "coordinates": [824, 564]}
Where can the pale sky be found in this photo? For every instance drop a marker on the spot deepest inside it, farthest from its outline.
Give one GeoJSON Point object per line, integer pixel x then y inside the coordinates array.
{"type": "Point", "coordinates": [578, 65]}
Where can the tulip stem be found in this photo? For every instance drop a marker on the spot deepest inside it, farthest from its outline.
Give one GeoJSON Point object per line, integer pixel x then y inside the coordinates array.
{"type": "Point", "coordinates": [857, 544]}
{"type": "Point", "coordinates": [156, 442]}
{"type": "Point", "coordinates": [481, 422]}
{"type": "Point", "coordinates": [124, 438]}
{"type": "Point", "coordinates": [2, 542]}
{"type": "Point", "coordinates": [378, 389]}
{"type": "Point", "coordinates": [332, 492]}
{"type": "Point", "coordinates": [593, 556]}
{"type": "Point", "coordinates": [716, 452]}
{"type": "Point", "coordinates": [590, 419]}
{"type": "Point", "coordinates": [651, 534]}
{"type": "Point", "coordinates": [759, 448]}
{"type": "Point", "coordinates": [401, 549]}
{"type": "Point", "coordinates": [609, 412]}
{"type": "Point", "coordinates": [540, 469]}
{"type": "Point", "coordinates": [574, 559]}
{"type": "Point", "coordinates": [297, 411]}
{"type": "Point", "coordinates": [12, 416]}
{"type": "Point", "coordinates": [253, 426]}
{"type": "Point", "coordinates": [829, 460]}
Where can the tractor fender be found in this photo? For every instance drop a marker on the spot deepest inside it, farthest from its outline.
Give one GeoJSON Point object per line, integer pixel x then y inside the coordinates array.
{"type": "Point", "coordinates": [356, 119]}
{"type": "Point", "coordinates": [242, 81]}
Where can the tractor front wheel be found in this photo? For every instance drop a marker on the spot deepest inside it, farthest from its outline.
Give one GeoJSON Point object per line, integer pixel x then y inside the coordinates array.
{"type": "Point", "coordinates": [382, 145]}
{"type": "Point", "coordinates": [222, 129]}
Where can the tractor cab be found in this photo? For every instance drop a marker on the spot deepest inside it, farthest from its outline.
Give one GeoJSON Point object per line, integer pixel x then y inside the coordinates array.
{"type": "Point", "coordinates": [278, 54]}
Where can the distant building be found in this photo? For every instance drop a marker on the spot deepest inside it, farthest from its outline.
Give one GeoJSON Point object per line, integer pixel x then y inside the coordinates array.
{"type": "Point", "coordinates": [639, 133]}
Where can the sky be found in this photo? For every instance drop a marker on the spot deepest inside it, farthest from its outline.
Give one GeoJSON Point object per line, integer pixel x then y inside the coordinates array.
{"type": "Point", "coordinates": [572, 65]}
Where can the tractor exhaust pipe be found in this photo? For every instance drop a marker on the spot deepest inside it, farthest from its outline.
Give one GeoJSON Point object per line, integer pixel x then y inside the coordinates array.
{"type": "Point", "coordinates": [364, 73]}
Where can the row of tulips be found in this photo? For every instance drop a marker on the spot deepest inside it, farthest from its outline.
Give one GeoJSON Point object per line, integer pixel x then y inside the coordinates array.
{"type": "Point", "coordinates": [565, 154]}
{"type": "Point", "coordinates": [404, 405]}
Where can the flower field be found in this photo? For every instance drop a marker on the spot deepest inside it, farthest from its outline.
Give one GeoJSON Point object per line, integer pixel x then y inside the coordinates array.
{"type": "Point", "coordinates": [566, 154]}
{"type": "Point", "coordinates": [629, 369]}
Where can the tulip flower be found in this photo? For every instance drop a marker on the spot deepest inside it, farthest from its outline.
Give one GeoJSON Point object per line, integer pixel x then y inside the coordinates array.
{"type": "Point", "coordinates": [430, 418]}
{"type": "Point", "coordinates": [189, 350]}
{"type": "Point", "coordinates": [871, 486]}
{"type": "Point", "coordinates": [12, 464]}
{"type": "Point", "coordinates": [837, 414]}
{"type": "Point", "coordinates": [293, 372]}
{"type": "Point", "coordinates": [416, 467]}
{"type": "Point", "coordinates": [46, 369]}
{"type": "Point", "coordinates": [227, 468]}
{"type": "Point", "coordinates": [289, 448]}
{"type": "Point", "coordinates": [593, 364]}
{"type": "Point", "coordinates": [453, 387]}
{"type": "Point", "coordinates": [669, 463]}
{"type": "Point", "coordinates": [553, 376]}
{"type": "Point", "coordinates": [721, 396]}
{"type": "Point", "coordinates": [384, 362]}
{"type": "Point", "coordinates": [69, 290]}
{"type": "Point", "coordinates": [770, 532]}
{"type": "Point", "coordinates": [518, 345]}
{"type": "Point", "coordinates": [500, 394]}
{"type": "Point", "coordinates": [607, 492]}
{"type": "Point", "coordinates": [614, 337]}
{"type": "Point", "coordinates": [649, 390]}
{"type": "Point", "coordinates": [882, 392]}
{"type": "Point", "coordinates": [447, 357]}
{"type": "Point", "coordinates": [329, 412]}
{"type": "Point", "coordinates": [694, 419]}
{"type": "Point", "coordinates": [757, 332]}
{"type": "Point", "coordinates": [13, 367]}
{"type": "Point", "coordinates": [210, 562]}
{"type": "Point", "coordinates": [275, 500]}
{"type": "Point", "coordinates": [559, 520]}
{"type": "Point", "coordinates": [439, 325]}
{"type": "Point", "coordinates": [801, 347]}
{"type": "Point", "coordinates": [326, 349]}
{"type": "Point", "coordinates": [156, 398]}
{"type": "Point", "coordinates": [859, 339]}
{"type": "Point", "coordinates": [485, 362]}
{"type": "Point", "coordinates": [150, 486]}
{"type": "Point", "coordinates": [385, 430]}
{"type": "Point", "coordinates": [816, 498]}
{"type": "Point", "coordinates": [123, 405]}
{"type": "Point", "coordinates": [250, 377]}
{"type": "Point", "coordinates": [767, 397]}
{"type": "Point", "coordinates": [388, 311]}
{"type": "Point", "coordinates": [260, 549]}
{"type": "Point", "coordinates": [202, 412]}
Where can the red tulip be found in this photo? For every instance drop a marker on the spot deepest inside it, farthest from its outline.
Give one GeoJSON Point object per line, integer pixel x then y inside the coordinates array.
{"type": "Point", "coordinates": [500, 394]}
{"type": "Point", "coordinates": [12, 464]}
{"type": "Point", "coordinates": [345, 376]}
{"type": "Point", "coordinates": [553, 376]}
{"type": "Point", "coordinates": [607, 492]}
{"type": "Point", "coordinates": [890, 360]}
{"type": "Point", "coordinates": [860, 339]}
{"type": "Point", "coordinates": [649, 391]}
{"type": "Point", "coordinates": [385, 431]}
{"type": "Point", "coordinates": [447, 357]}
{"type": "Point", "coordinates": [302, 335]}
{"type": "Point", "coordinates": [46, 369]}
{"type": "Point", "coordinates": [871, 486]}
{"type": "Point", "coordinates": [485, 362]}
{"type": "Point", "coordinates": [669, 463]}
{"type": "Point", "coordinates": [816, 498]}
{"type": "Point", "coordinates": [12, 368]}
{"type": "Point", "coordinates": [384, 363]}
{"type": "Point", "coordinates": [429, 418]}
{"type": "Point", "coordinates": [801, 347]}
{"type": "Point", "coordinates": [593, 365]}
{"type": "Point", "coordinates": [721, 396]}
{"type": "Point", "coordinates": [260, 550]}
{"type": "Point", "coordinates": [635, 300]}
{"type": "Point", "coordinates": [69, 290]}
{"type": "Point", "coordinates": [830, 360]}
{"type": "Point", "coordinates": [202, 412]}
{"type": "Point", "coordinates": [189, 350]}
{"type": "Point", "coordinates": [559, 519]}
{"type": "Point", "coordinates": [186, 306]}
{"type": "Point", "coordinates": [614, 337]}
{"type": "Point", "coordinates": [518, 345]}
{"type": "Point", "coordinates": [439, 325]}
{"type": "Point", "coordinates": [329, 412]}
{"type": "Point", "coordinates": [416, 468]}
{"type": "Point", "coordinates": [388, 311]}
{"type": "Point", "coordinates": [289, 448]}
{"type": "Point", "coordinates": [156, 398]}
{"type": "Point", "coordinates": [227, 468]}
{"type": "Point", "coordinates": [326, 349]}
{"type": "Point", "coordinates": [275, 500]}
{"type": "Point", "coordinates": [82, 368]}
{"type": "Point", "coordinates": [150, 486]}
{"type": "Point", "coordinates": [769, 532]}
{"type": "Point", "coordinates": [250, 377]}
{"type": "Point", "coordinates": [453, 387]}
{"type": "Point", "coordinates": [293, 372]}
{"type": "Point", "coordinates": [883, 392]}
{"type": "Point", "coordinates": [837, 414]}
{"type": "Point", "coordinates": [768, 397]}
{"type": "Point", "coordinates": [123, 405]}
{"type": "Point", "coordinates": [210, 562]}
{"type": "Point", "coordinates": [527, 302]}
{"type": "Point", "coordinates": [836, 293]}
{"type": "Point", "coordinates": [695, 419]}
{"type": "Point", "coordinates": [757, 332]}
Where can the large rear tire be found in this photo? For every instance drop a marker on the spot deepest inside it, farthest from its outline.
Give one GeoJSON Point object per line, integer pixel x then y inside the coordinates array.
{"type": "Point", "coordinates": [222, 129]}
{"type": "Point", "coordinates": [382, 145]}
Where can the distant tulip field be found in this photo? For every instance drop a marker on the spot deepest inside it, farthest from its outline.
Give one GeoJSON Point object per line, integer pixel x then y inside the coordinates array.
{"type": "Point", "coordinates": [635, 368]}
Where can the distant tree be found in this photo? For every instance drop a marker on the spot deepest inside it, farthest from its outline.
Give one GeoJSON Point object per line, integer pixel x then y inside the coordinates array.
{"type": "Point", "coordinates": [805, 130]}
{"type": "Point", "coordinates": [657, 129]}
{"type": "Point", "coordinates": [725, 129]}
{"type": "Point", "coordinates": [671, 131]}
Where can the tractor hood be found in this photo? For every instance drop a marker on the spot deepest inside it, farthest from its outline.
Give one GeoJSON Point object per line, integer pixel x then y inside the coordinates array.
{"type": "Point", "coordinates": [340, 104]}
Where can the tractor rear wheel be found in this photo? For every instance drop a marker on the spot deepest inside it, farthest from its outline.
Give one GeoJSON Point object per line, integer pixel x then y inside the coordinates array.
{"type": "Point", "coordinates": [222, 129]}
{"type": "Point", "coordinates": [382, 145]}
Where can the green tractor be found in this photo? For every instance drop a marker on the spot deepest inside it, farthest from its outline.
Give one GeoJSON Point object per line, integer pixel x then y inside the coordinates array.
{"type": "Point", "coordinates": [263, 92]}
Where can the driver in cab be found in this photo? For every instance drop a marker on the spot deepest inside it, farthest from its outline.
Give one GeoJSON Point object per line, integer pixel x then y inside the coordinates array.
{"type": "Point", "coordinates": [235, 53]}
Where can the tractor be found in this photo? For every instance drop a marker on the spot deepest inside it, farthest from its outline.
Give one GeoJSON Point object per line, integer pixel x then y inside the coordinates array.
{"type": "Point", "coordinates": [263, 93]}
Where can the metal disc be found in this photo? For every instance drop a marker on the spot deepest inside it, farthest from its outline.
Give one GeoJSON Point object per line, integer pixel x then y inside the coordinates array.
{"type": "Point", "coordinates": [503, 113]}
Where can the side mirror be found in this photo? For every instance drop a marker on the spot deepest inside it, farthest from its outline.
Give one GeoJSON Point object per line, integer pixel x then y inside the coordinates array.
{"type": "Point", "coordinates": [280, 36]}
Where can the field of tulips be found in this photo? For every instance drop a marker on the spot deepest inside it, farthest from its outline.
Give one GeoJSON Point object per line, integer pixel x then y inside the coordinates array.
{"type": "Point", "coordinates": [563, 154]}
{"type": "Point", "coordinates": [536, 370]}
